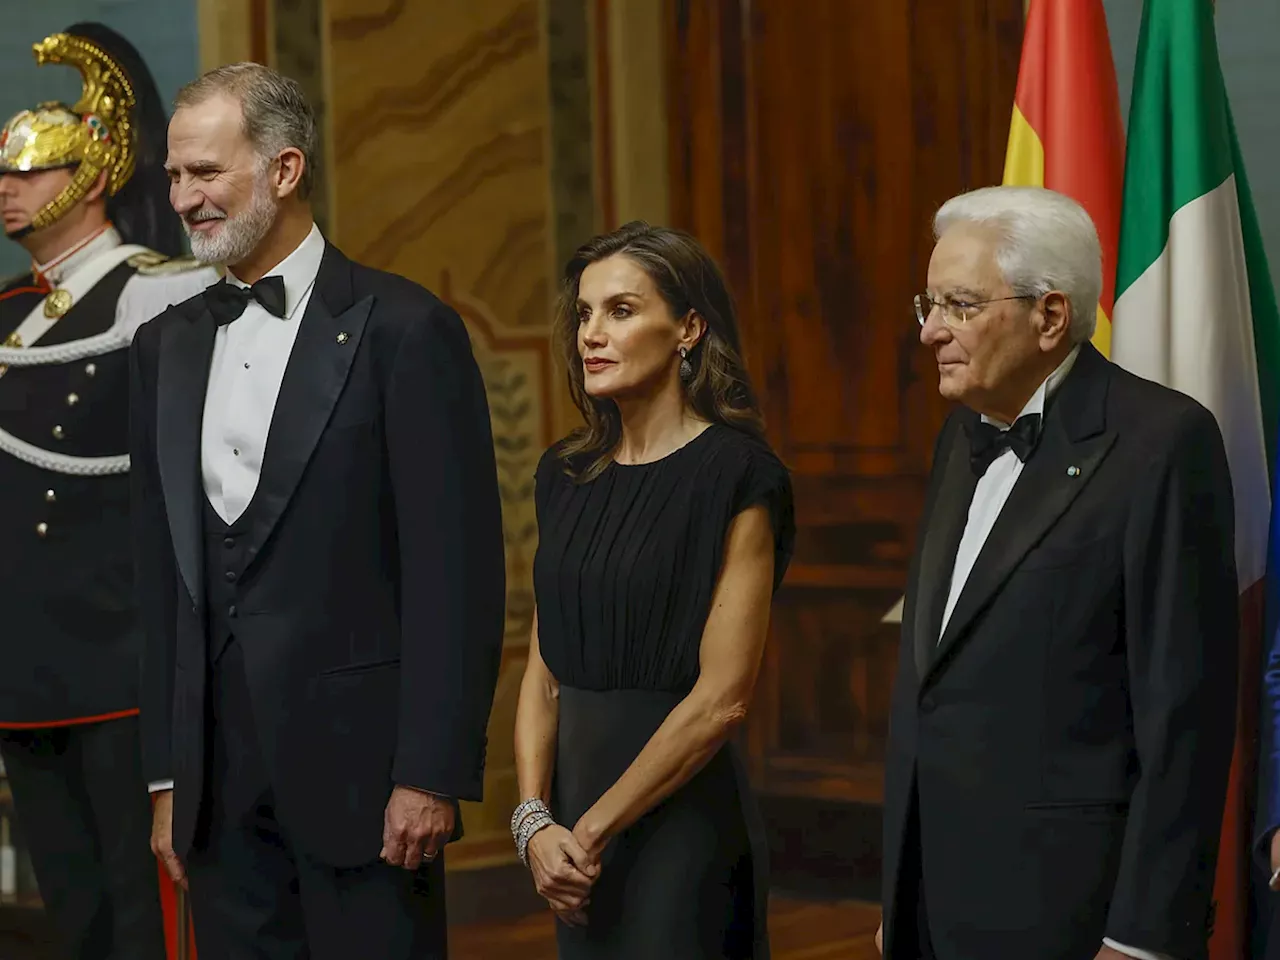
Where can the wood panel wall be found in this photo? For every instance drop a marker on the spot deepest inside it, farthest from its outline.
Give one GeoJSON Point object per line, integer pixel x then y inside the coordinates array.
{"type": "Point", "coordinates": [810, 144]}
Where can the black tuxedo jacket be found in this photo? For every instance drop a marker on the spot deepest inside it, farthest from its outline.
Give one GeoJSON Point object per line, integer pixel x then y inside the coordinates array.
{"type": "Point", "coordinates": [371, 608]}
{"type": "Point", "coordinates": [1059, 761]}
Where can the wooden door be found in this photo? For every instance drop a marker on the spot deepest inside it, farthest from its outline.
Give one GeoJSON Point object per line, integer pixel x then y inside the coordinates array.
{"type": "Point", "coordinates": [810, 144]}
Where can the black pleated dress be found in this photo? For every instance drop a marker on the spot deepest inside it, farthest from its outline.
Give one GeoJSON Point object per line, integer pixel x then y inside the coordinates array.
{"type": "Point", "coordinates": [623, 577]}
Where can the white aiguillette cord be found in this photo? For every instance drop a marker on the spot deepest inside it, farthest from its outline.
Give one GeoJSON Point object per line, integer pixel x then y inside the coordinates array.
{"type": "Point", "coordinates": [116, 338]}
{"type": "Point", "coordinates": [60, 462]}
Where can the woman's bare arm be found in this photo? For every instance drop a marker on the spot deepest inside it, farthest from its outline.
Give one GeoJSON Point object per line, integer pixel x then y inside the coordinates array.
{"type": "Point", "coordinates": [537, 720]}
{"type": "Point", "coordinates": [561, 869]}
{"type": "Point", "coordinates": [730, 654]}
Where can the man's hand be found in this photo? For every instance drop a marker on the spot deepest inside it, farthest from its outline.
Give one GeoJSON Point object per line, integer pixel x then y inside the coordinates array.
{"type": "Point", "coordinates": [162, 837]}
{"type": "Point", "coordinates": [880, 939]}
{"type": "Point", "coordinates": [415, 828]}
{"type": "Point", "coordinates": [1275, 860]}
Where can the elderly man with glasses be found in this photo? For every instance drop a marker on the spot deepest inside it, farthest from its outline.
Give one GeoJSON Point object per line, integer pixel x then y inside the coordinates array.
{"type": "Point", "coordinates": [1063, 716]}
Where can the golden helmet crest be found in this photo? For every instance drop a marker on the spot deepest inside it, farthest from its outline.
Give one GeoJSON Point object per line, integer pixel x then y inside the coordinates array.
{"type": "Point", "coordinates": [96, 135]}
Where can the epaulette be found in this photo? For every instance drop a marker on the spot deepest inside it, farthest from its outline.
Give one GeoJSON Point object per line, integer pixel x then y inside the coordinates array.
{"type": "Point", "coordinates": [148, 263]}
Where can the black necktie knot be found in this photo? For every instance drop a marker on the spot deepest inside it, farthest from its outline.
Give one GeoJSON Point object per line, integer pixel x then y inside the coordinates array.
{"type": "Point", "coordinates": [226, 300]}
{"type": "Point", "coordinates": [987, 441]}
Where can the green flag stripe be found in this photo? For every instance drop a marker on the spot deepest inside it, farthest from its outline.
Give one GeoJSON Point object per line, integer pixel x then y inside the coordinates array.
{"type": "Point", "coordinates": [1262, 303]}
{"type": "Point", "coordinates": [1179, 130]}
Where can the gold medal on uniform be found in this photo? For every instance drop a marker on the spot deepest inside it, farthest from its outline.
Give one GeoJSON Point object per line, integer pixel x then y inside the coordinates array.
{"type": "Point", "coordinates": [13, 342]}
{"type": "Point", "coordinates": [57, 303]}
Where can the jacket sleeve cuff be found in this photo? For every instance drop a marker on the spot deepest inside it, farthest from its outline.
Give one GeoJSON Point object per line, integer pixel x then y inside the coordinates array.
{"type": "Point", "coordinates": [158, 786]}
{"type": "Point", "coordinates": [1136, 952]}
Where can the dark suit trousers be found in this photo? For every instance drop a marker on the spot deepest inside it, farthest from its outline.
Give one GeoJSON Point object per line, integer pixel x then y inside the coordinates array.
{"type": "Point", "coordinates": [912, 940]}
{"type": "Point", "coordinates": [254, 897]}
{"type": "Point", "coordinates": [82, 804]}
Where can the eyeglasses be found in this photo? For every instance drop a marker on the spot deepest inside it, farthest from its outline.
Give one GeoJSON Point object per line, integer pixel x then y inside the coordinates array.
{"type": "Point", "coordinates": [956, 313]}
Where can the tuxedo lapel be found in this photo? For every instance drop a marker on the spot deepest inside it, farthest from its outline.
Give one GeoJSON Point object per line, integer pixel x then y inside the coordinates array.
{"type": "Point", "coordinates": [944, 526]}
{"type": "Point", "coordinates": [329, 335]}
{"type": "Point", "coordinates": [1074, 444]}
{"type": "Point", "coordinates": [186, 348]}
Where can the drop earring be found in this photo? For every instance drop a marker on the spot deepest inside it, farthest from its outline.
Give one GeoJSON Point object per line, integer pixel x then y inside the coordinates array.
{"type": "Point", "coordinates": [686, 368]}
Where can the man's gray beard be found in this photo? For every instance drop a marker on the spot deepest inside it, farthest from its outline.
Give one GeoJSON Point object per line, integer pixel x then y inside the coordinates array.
{"type": "Point", "coordinates": [240, 235]}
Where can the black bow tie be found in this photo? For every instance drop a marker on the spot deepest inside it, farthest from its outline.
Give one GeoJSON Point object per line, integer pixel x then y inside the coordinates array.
{"type": "Point", "coordinates": [987, 441]}
{"type": "Point", "coordinates": [226, 301]}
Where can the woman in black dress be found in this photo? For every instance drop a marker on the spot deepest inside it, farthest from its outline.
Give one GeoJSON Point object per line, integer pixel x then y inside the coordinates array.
{"type": "Point", "coordinates": [665, 526]}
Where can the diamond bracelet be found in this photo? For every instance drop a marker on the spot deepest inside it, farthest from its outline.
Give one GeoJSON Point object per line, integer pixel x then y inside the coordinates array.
{"type": "Point", "coordinates": [527, 829]}
{"type": "Point", "coordinates": [530, 817]}
{"type": "Point", "coordinates": [532, 805]}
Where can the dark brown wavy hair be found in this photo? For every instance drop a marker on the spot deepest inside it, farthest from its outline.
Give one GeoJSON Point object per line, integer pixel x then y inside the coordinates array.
{"type": "Point", "coordinates": [687, 279]}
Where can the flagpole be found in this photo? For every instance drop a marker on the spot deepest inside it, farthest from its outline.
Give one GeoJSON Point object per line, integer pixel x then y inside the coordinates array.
{"type": "Point", "coordinates": [183, 924]}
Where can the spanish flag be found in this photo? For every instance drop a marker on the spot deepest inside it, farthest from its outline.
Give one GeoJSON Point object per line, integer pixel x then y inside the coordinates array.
{"type": "Point", "coordinates": [1066, 132]}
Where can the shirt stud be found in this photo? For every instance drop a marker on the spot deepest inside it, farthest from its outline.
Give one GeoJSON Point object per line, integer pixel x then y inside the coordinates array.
{"type": "Point", "coordinates": [1073, 471]}
{"type": "Point", "coordinates": [42, 529]}
{"type": "Point", "coordinates": [58, 433]}
{"type": "Point", "coordinates": [73, 399]}
{"type": "Point", "coordinates": [90, 369]}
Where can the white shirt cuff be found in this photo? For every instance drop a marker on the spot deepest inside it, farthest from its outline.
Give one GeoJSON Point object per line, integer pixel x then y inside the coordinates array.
{"type": "Point", "coordinates": [159, 785]}
{"type": "Point", "coordinates": [1134, 951]}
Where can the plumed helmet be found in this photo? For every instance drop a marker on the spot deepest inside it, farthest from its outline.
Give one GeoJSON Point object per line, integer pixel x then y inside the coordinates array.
{"type": "Point", "coordinates": [117, 127]}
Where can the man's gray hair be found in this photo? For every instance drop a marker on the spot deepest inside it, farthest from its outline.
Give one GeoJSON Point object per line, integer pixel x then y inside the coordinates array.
{"type": "Point", "coordinates": [1046, 241]}
{"type": "Point", "coordinates": [276, 112]}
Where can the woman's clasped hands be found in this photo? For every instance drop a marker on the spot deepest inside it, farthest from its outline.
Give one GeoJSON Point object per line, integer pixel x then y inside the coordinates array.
{"type": "Point", "coordinates": [563, 872]}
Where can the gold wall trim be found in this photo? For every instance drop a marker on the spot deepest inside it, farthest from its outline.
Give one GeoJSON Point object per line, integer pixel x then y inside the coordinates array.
{"type": "Point", "coordinates": [297, 48]}
{"type": "Point", "coordinates": [633, 47]}
{"type": "Point", "coordinates": [226, 31]}
{"type": "Point", "coordinates": [566, 44]}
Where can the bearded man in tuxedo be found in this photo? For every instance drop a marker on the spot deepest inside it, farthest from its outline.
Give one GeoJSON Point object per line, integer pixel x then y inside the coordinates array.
{"type": "Point", "coordinates": [320, 559]}
{"type": "Point", "coordinates": [1064, 711]}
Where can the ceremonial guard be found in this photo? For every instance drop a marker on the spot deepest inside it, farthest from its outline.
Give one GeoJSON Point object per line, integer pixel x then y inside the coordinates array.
{"type": "Point", "coordinates": [83, 190]}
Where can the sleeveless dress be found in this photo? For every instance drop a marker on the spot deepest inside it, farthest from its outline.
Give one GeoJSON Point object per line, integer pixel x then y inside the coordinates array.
{"type": "Point", "coordinates": [623, 577]}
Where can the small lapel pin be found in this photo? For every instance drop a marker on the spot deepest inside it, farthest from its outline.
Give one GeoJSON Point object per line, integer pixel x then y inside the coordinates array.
{"type": "Point", "coordinates": [342, 337]}
{"type": "Point", "coordinates": [1073, 471]}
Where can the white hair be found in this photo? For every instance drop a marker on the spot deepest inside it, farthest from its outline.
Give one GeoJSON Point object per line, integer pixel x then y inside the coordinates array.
{"type": "Point", "coordinates": [1046, 241]}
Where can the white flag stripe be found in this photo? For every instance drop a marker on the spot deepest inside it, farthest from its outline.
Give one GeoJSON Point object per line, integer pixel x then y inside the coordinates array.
{"type": "Point", "coordinates": [1186, 322]}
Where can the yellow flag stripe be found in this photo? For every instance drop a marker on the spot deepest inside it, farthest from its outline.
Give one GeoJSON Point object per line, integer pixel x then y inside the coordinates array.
{"type": "Point", "coordinates": [1024, 167]}
{"type": "Point", "coordinates": [1102, 333]}
{"type": "Point", "coordinates": [1024, 160]}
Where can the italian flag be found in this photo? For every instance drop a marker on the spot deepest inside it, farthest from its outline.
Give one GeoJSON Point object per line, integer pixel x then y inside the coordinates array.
{"type": "Point", "coordinates": [1066, 132]}
{"type": "Point", "coordinates": [1195, 311]}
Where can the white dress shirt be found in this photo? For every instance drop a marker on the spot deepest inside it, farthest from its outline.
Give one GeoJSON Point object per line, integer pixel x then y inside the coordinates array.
{"type": "Point", "coordinates": [249, 358]}
{"type": "Point", "coordinates": [993, 490]}
{"type": "Point", "coordinates": [989, 498]}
